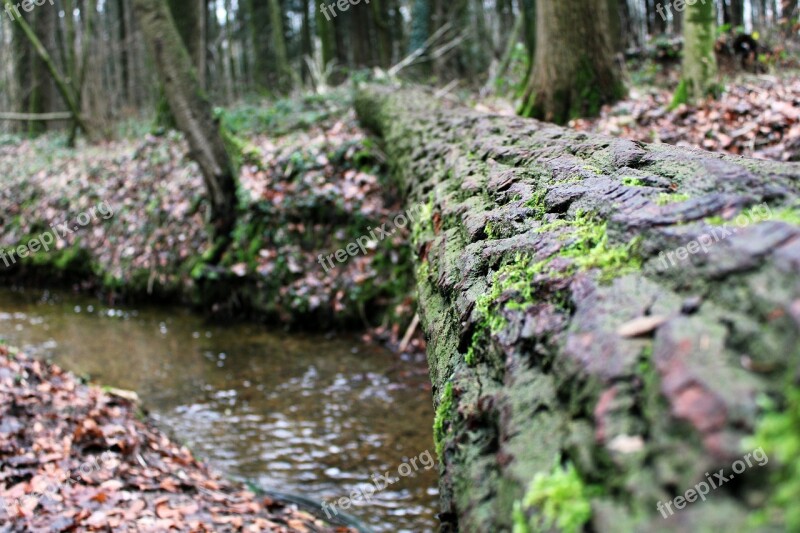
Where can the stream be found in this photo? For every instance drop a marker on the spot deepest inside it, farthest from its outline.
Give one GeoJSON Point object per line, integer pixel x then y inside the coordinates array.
{"type": "Point", "coordinates": [308, 414]}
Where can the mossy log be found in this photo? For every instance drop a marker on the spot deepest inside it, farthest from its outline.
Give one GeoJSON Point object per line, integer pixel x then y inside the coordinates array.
{"type": "Point", "coordinates": [581, 375]}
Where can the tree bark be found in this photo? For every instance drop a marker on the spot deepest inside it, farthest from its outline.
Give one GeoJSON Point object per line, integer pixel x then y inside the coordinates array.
{"type": "Point", "coordinates": [122, 37]}
{"type": "Point", "coordinates": [380, 14]}
{"type": "Point", "coordinates": [257, 16]}
{"type": "Point", "coordinates": [567, 348]}
{"type": "Point", "coordinates": [326, 39]}
{"type": "Point", "coordinates": [699, 61]}
{"type": "Point", "coordinates": [279, 45]}
{"type": "Point", "coordinates": [573, 72]}
{"type": "Point", "coordinates": [192, 111]}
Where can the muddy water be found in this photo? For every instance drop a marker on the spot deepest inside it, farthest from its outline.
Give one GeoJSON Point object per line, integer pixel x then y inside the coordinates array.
{"type": "Point", "coordinates": [313, 415]}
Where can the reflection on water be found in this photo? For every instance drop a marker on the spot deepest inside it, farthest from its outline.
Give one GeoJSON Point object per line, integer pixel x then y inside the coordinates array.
{"type": "Point", "coordinates": [297, 413]}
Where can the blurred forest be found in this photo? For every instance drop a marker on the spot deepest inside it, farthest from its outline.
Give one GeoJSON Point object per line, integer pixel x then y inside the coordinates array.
{"type": "Point", "coordinates": [97, 58]}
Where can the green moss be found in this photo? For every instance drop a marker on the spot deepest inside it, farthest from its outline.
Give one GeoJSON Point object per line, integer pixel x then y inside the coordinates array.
{"type": "Point", "coordinates": [537, 204]}
{"type": "Point", "coordinates": [790, 215]}
{"type": "Point", "coordinates": [588, 248]}
{"type": "Point", "coordinates": [423, 225]}
{"type": "Point", "coordinates": [443, 415]}
{"type": "Point", "coordinates": [632, 181]}
{"type": "Point", "coordinates": [568, 181]}
{"type": "Point", "coordinates": [560, 499]}
{"type": "Point", "coordinates": [667, 198]}
{"type": "Point", "coordinates": [423, 270]}
{"type": "Point", "coordinates": [489, 230]}
{"type": "Point", "coordinates": [778, 434]}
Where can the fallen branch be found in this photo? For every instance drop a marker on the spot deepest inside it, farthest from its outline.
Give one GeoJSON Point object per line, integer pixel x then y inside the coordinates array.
{"type": "Point", "coordinates": [36, 116]}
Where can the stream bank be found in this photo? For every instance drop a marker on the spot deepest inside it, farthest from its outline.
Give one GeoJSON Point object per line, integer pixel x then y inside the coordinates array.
{"type": "Point", "coordinates": [306, 414]}
{"type": "Point", "coordinates": [311, 183]}
{"type": "Point", "coordinates": [76, 456]}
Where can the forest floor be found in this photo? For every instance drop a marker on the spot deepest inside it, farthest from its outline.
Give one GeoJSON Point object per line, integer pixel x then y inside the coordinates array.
{"type": "Point", "coordinates": [78, 457]}
{"type": "Point", "coordinates": [756, 116]}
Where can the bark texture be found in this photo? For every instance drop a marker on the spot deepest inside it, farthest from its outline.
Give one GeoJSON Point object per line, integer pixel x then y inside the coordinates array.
{"type": "Point", "coordinates": [572, 73]}
{"type": "Point", "coordinates": [699, 61]}
{"type": "Point", "coordinates": [579, 376]}
{"type": "Point", "coordinates": [191, 109]}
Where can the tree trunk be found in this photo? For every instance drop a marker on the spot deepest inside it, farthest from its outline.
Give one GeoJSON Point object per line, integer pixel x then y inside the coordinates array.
{"type": "Point", "coordinates": [258, 15]}
{"type": "Point", "coordinates": [122, 36]}
{"type": "Point", "coordinates": [279, 45]}
{"type": "Point", "coordinates": [325, 34]}
{"type": "Point", "coordinates": [698, 78]}
{"type": "Point", "coordinates": [41, 101]}
{"type": "Point", "coordinates": [527, 9]}
{"type": "Point", "coordinates": [581, 374]}
{"type": "Point", "coordinates": [23, 56]}
{"type": "Point", "coordinates": [228, 57]}
{"type": "Point", "coordinates": [573, 73]}
{"type": "Point", "coordinates": [615, 26]}
{"type": "Point", "coordinates": [192, 111]}
{"type": "Point", "coordinates": [737, 13]}
{"type": "Point", "coordinates": [306, 42]}
{"type": "Point", "coordinates": [189, 17]}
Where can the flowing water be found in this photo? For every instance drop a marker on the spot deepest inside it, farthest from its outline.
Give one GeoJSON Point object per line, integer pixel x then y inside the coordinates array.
{"type": "Point", "coordinates": [312, 415]}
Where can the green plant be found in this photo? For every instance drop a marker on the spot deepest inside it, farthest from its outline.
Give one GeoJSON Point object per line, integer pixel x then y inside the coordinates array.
{"type": "Point", "coordinates": [632, 181]}
{"type": "Point", "coordinates": [561, 498]}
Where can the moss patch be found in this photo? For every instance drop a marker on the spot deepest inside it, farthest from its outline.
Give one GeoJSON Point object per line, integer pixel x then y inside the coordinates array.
{"type": "Point", "coordinates": [561, 499]}
{"type": "Point", "coordinates": [443, 416]}
{"type": "Point", "coordinates": [667, 198]}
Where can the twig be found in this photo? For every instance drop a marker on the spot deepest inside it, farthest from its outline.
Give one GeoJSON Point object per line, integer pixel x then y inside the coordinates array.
{"type": "Point", "coordinates": [35, 116]}
{"type": "Point", "coordinates": [409, 333]}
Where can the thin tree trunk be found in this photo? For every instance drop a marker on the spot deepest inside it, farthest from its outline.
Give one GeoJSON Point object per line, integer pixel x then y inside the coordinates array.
{"type": "Point", "coordinates": [306, 42]}
{"type": "Point", "coordinates": [79, 81]}
{"type": "Point", "coordinates": [192, 111]}
{"type": "Point", "coordinates": [257, 18]}
{"type": "Point", "coordinates": [229, 56]}
{"type": "Point", "coordinates": [326, 38]}
{"type": "Point", "coordinates": [699, 61]}
{"type": "Point", "coordinates": [279, 46]}
{"type": "Point", "coordinates": [122, 35]}
{"type": "Point", "coordinates": [379, 15]}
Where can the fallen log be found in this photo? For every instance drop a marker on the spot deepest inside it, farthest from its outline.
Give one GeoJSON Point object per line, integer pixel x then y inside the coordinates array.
{"type": "Point", "coordinates": [602, 316]}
